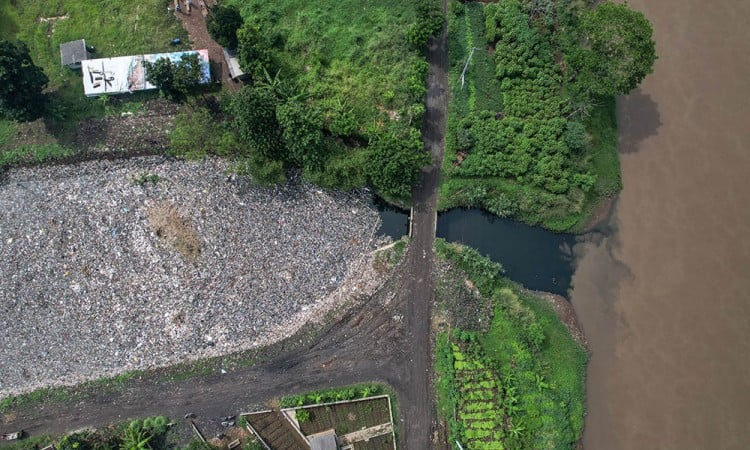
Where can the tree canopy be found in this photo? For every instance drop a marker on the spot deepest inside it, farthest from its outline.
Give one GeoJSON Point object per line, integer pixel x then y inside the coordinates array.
{"type": "Point", "coordinates": [222, 23]}
{"type": "Point", "coordinates": [618, 49]}
{"type": "Point", "coordinates": [21, 83]}
{"type": "Point", "coordinates": [254, 51]}
{"type": "Point", "coordinates": [175, 81]}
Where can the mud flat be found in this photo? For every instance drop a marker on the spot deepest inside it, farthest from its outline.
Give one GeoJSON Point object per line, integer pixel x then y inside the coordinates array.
{"type": "Point", "coordinates": [112, 266]}
{"type": "Point", "coordinates": [663, 299]}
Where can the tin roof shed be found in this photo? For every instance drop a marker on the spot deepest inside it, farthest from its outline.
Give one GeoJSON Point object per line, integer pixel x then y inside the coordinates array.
{"type": "Point", "coordinates": [73, 52]}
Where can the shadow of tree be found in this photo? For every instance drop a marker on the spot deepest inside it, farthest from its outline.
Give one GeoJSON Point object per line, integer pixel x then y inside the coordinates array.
{"type": "Point", "coordinates": [638, 118]}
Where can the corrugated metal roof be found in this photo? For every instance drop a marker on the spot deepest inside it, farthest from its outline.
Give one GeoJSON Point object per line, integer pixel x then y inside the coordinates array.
{"type": "Point", "coordinates": [233, 63]}
{"type": "Point", "coordinates": [73, 52]}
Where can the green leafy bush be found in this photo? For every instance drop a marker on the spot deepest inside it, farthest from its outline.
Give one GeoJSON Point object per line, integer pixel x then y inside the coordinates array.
{"type": "Point", "coordinates": [518, 385]}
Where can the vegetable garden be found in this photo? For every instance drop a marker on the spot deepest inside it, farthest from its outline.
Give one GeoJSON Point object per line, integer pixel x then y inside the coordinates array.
{"type": "Point", "coordinates": [517, 384]}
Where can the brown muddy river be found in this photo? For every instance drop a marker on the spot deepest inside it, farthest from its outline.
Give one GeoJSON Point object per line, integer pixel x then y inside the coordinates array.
{"type": "Point", "coordinates": [665, 299]}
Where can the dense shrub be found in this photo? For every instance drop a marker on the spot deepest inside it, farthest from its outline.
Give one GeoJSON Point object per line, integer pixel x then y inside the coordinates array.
{"type": "Point", "coordinates": [222, 24]}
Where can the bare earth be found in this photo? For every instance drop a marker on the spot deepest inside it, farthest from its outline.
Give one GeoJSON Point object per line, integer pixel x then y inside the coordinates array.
{"type": "Point", "coordinates": [664, 300]}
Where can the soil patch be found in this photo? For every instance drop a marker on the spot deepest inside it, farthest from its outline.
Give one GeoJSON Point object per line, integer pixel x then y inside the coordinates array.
{"type": "Point", "coordinates": [175, 230]}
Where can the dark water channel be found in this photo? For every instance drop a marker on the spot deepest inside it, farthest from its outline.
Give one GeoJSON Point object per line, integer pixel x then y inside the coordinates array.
{"type": "Point", "coordinates": [537, 258]}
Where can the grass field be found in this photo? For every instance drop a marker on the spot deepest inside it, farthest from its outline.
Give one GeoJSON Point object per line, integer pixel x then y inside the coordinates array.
{"type": "Point", "coordinates": [348, 55]}
{"type": "Point", "coordinates": [517, 384]}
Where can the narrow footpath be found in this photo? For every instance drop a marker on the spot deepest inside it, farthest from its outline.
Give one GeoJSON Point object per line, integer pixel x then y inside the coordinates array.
{"type": "Point", "coordinates": [419, 407]}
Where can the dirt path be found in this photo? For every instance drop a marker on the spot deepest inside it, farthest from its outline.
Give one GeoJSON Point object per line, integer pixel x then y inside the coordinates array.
{"type": "Point", "coordinates": [195, 24]}
{"type": "Point", "coordinates": [386, 339]}
{"type": "Point", "coordinates": [418, 404]}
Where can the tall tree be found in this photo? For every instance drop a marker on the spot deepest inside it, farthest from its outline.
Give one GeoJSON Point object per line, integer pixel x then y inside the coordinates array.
{"type": "Point", "coordinates": [222, 23]}
{"type": "Point", "coordinates": [617, 49]}
{"type": "Point", "coordinates": [302, 131]}
{"type": "Point", "coordinates": [254, 112]}
{"type": "Point", "coordinates": [21, 83]}
{"type": "Point", "coordinates": [254, 51]}
{"type": "Point", "coordinates": [175, 80]}
{"type": "Point", "coordinates": [395, 158]}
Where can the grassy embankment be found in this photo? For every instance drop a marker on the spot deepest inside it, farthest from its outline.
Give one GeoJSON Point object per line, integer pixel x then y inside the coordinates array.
{"type": "Point", "coordinates": [115, 28]}
{"type": "Point", "coordinates": [515, 383]}
{"type": "Point", "coordinates": [514, 144]}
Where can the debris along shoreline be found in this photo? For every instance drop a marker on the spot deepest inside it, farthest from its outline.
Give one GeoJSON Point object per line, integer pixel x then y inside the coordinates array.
{"type": "Point", "coordinates": [110, 266]}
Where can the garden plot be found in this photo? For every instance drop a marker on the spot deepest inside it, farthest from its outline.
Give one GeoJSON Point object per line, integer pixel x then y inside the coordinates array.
{"type": "Point", "coordinates": [114, 266]}
{"type": "Point", "coordinates": [480, 405]}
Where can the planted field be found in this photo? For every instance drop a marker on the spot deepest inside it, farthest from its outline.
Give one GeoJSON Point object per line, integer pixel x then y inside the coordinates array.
{"type": "Point", "coordinates": [517, 384]}
{"type": "Point", "coordinates": [525, 138]}
{"type": "Point", "coordinates": [480, 403]}
{"type": "Point", "coordinates": [346, 417]}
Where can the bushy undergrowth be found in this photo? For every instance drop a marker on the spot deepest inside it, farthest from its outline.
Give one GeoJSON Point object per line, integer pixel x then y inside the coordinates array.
{"type": "Point", "coordinates": [151, 433]}
{"type": "Point", "coordinates": [520, 141]}
{"type": "Point", "coordinates": [337, 90]}
{"type": "Point", "coordinates": [518, 385]}
{"type": "Point", "coordinates": [334, 395]}
{"type": "Point", "coordinates": [36, 153]}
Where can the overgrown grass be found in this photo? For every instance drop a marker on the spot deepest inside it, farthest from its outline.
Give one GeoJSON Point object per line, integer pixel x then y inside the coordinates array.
{"type": "Point", "coordinates": [526, 365]}
{"type": "Point", "coordinates": [350, 56]}
{"type": "Point", "coordinates": [33, 153]}
{"type": "Point", "coordinates": [8, 130]}
{"type": "Point", "coordinates": [150, 433]}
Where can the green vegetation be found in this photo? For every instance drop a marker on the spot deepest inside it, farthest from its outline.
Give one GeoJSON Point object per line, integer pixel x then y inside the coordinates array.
{"type": "Point", "coordinates": [335, 395]}
{"type": "Point", "coordinates": [529, 133]}
{"type": "Point", "coordinates": [21, 83]}
{"type": "Point", "coordinates": [517, 384]}
{"type": "Point", "coordinates": [151, 433]}
{"type": "Point", "coordinates": [619, 51]}
{"type": "Point", "coordinates": [175, 80]}
{"type": "Point", "coordinates": [336, 91]}
{"type": "Point", "coordinates": [222, 24]}
{"type": "Point", "coordinates": [36, 153]}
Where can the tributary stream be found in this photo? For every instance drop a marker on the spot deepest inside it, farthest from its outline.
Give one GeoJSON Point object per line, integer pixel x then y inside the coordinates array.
{"type": "Point", "coordinates": [537, 258]}
{"type": "Point", "coordinates": [664, 296]}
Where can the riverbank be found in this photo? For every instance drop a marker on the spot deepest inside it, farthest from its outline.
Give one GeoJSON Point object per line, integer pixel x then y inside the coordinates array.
{"type": "Point", "coordinates": [522, 368]}
{"type": "Point", "coordinates": [107, 267]}
{"type": "Point", "coordinates": [663, 298]}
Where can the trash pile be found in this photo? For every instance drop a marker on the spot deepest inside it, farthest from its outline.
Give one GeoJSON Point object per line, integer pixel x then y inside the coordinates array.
{"type": "Point", "coordinates": [95, 278]}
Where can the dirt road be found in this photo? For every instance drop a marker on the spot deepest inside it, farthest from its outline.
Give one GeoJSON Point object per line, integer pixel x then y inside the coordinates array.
{"type": "Point", "coordinates": [664, 299]}
{"type": "Point", "coordinates": [419, 409]}
{"type": "Point", "coordinates": [386, 339]}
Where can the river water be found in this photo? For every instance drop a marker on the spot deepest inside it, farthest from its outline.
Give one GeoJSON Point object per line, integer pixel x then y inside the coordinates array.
{"type": "Point", "coordinates": [663, 293]}
{"type": "Point", "coordinates": [665, 299]}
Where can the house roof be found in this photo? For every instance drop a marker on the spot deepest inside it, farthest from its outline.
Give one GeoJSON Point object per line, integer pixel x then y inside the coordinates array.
{"type": "Point", "coordinates": [325, 440]}
{"type": "Point", "coordinates": [233, 63]}
{"type": "Point", "coordinates": [73, 52]}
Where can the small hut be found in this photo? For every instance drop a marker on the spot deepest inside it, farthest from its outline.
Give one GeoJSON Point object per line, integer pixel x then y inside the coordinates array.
{"type": "Point", "coordinates": [233, 64]}
{"type": "Point", "coordinates": [73, 52]}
